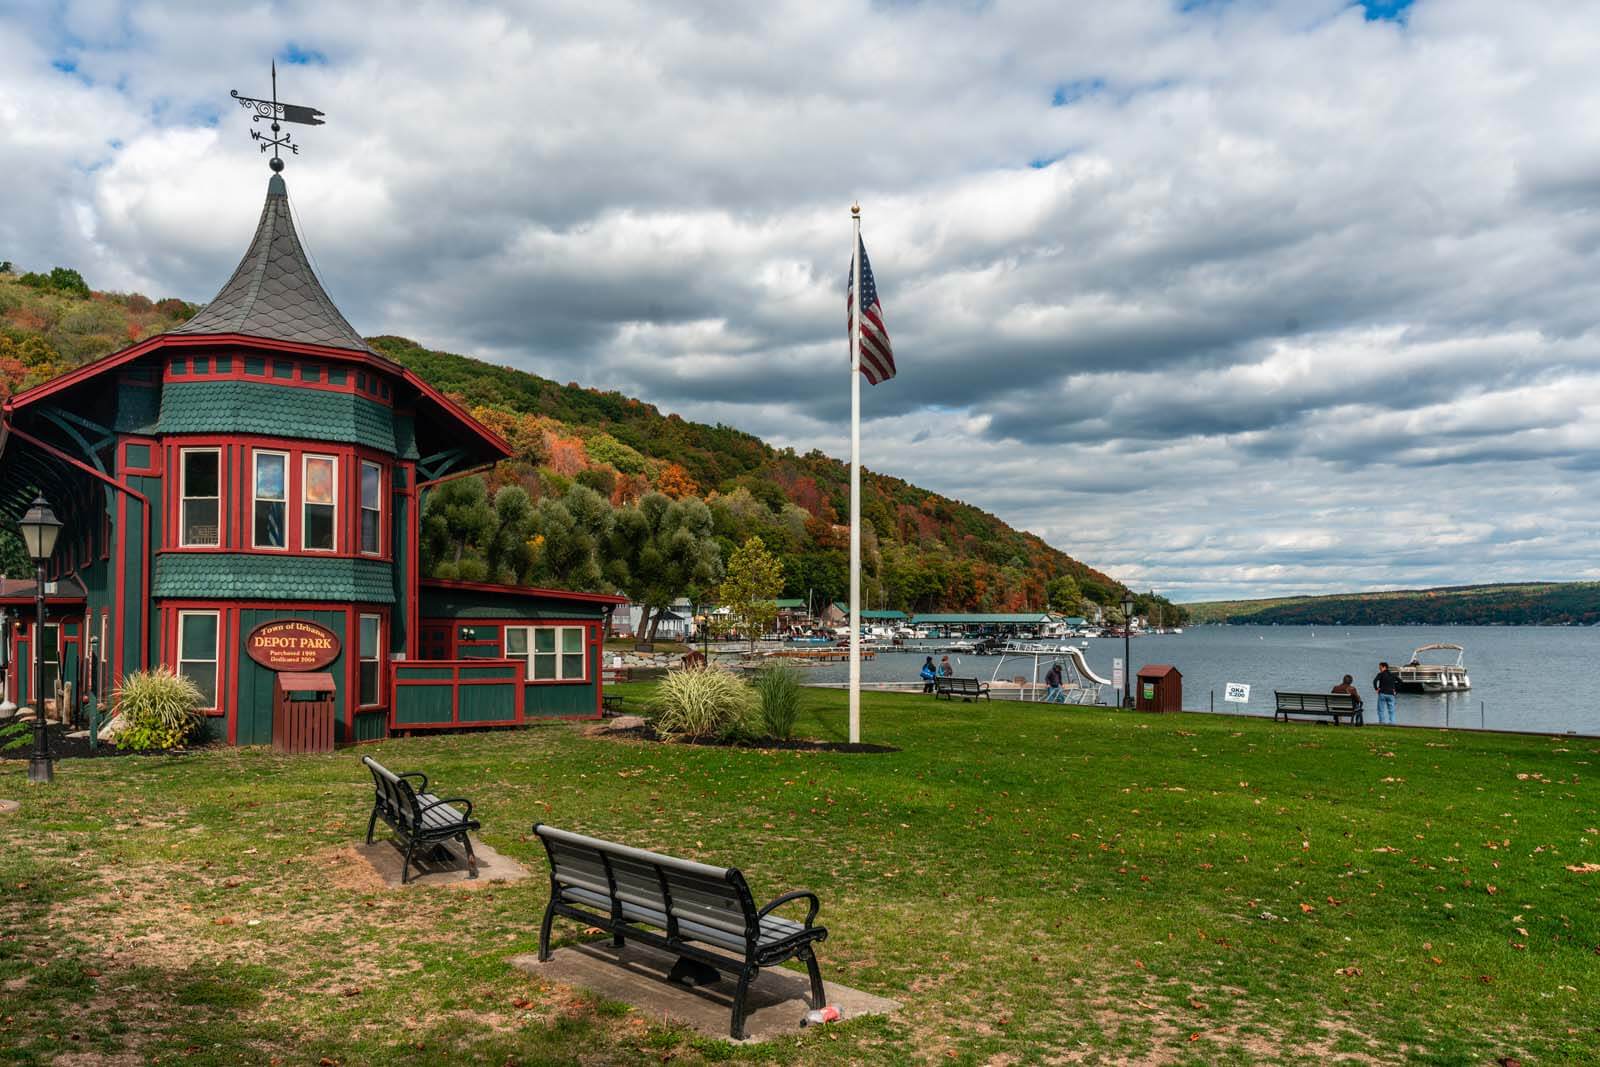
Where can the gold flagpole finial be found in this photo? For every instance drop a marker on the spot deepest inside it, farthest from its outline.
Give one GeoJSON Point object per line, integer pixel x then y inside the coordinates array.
{"type": "Point", "coordinates": [855, 209]}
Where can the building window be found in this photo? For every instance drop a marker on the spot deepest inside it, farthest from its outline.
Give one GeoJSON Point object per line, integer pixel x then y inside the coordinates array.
{"type": "Point", "coordinates": [201, 492]}
{"type": "Point", "coordinates": [371, 659]}
{"type": "Point", "coordinates": [371, 508]}
{"type": "Point", "coordinates": [272, 500]}
{"type": "Point", "coordinates": [319, 491]}
{"type": "Point", "coordinates": [548, 653]}
{"type": "Point", "coordinates": [197, 653]}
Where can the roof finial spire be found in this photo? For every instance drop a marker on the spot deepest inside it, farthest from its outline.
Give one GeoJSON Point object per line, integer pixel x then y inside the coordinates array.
{"type": "Point", "coordinates": [271, 109]}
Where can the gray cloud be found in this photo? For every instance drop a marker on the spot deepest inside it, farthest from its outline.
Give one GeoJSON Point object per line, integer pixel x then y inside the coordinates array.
{"type": "Point", "coordinates": [1257, 298]}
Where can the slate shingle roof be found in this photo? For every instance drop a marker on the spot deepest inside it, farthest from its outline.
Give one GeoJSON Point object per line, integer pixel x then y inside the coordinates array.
{"type": "Point", "coordinates": [274, 293]}
{"type": "Point", "coordinates": [239, 576]}
{"type": "Point", "coordinates": [277, 411]}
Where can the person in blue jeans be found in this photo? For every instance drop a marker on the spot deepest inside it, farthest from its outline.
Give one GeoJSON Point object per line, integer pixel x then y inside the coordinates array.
{"type": "Point", "coordinates": [1387, 683]}
{"type": "Point", "coordinates": [1054, 694]}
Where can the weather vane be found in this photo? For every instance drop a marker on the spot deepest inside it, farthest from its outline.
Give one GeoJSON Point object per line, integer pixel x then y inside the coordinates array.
{"type": "Point", "coordinates": [271, 109]}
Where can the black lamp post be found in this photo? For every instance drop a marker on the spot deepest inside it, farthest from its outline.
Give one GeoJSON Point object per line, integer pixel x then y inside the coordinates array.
{"type": "Point", "coordinates": [39, 529]}
{"type": "Point", "coordinates": [1127, 658]}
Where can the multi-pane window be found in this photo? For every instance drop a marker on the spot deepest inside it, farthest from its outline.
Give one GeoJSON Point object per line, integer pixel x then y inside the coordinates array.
{"type": "Point", "coordinates": [550, 653]}
{"type": "Point", "coordinates": [371, 644]}
{"type": "Point", "coordinates": [197, 652]}
{"type": "Point", "coordinates": [319, 491]}
{"type": "Point", "coordinates": [271, 500]}
{"type": "Point", "coordinates": [371, 508]}
{"type": "Point", "coordinates": [201, 493]}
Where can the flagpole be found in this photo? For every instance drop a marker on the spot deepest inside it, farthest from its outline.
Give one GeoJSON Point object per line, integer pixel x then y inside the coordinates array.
{"type": "Point", "coordinates": [855, 475]}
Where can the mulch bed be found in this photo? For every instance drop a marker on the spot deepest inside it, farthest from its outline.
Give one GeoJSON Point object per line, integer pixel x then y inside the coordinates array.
{"type": "Point", "coordinates": [796, 744]}
{"type": "Point", "coordinates": [64, 747]}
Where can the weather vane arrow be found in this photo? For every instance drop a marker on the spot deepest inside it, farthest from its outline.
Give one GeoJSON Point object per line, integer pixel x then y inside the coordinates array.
{"type": "Point", "coordinates": [277, 113]}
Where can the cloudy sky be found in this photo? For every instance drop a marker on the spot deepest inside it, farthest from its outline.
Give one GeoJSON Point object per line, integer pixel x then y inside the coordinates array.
{"type": "Point", "coordinates": [1225, 298]}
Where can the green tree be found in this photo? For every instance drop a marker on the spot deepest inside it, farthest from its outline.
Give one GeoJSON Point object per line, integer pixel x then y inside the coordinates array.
{"type": "Point", "coordinates": [14, 561]}
{"type": "Point", "coordinates": [1064, 595]}
{"type": "Point", "coordinates": [457, 521]}
{"type": "Point", "coordinates": [571, 535]}
{"type": "Point", "coordinates": [751, 588]}
{"type": "Point", "coordinates": [662, 549]}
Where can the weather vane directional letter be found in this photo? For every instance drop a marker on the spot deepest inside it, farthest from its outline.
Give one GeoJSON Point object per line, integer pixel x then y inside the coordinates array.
{"type": "Point", "coordinates": [271, 109]}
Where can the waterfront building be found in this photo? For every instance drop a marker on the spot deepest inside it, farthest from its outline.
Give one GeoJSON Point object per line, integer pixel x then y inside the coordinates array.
{"type": "Point", "coordinates": [247, 488]}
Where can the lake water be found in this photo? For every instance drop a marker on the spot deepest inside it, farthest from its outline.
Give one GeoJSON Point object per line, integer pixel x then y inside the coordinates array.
{"type": "Point", "coordinates": [1527, 678]}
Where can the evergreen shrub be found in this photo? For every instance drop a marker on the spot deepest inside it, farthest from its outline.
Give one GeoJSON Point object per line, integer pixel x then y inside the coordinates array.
{"type": "Point", "coordinates": [159, 709]}
{"type": "Point", "coordinates": [703, 703]}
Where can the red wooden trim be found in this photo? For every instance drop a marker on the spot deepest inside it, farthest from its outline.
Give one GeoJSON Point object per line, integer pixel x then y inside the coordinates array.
{"type": "Point", "coordinates": [342, 355]}
{"type": "Point", "coordinates": [236, 372]}
{"type": "Point", "coordinates": [525, 590]}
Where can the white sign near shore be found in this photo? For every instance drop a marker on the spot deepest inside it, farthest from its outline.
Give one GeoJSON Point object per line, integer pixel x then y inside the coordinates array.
{"type": "Point", "coordinates": [1237, 693]}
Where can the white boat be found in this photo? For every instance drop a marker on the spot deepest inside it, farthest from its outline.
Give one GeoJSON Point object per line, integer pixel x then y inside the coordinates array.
{"type": "Point", "coordinates": [1081, 685]}
{"type": "Point", "coordinates": [1419, 677]}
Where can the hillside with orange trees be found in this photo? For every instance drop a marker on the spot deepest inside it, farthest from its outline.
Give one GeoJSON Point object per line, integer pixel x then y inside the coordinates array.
{"type": "Point", "coordinates": [921, 551]}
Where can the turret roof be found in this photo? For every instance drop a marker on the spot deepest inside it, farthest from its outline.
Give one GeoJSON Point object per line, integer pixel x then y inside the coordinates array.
{"type": "Point", "coordinates": [274, 293]}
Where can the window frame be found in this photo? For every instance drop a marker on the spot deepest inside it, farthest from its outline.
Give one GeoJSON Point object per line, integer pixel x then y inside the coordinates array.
{"type": "Point", "coordinates": [255, 455]}
{"type": "Point", "coordinates": [184, 497]}
{"type": "Point", "coordinates": [529, 658]}
{"type": "Point", "coordinates": [305, 465]}
{"type": "Point", "coordinates": [216, 654]}
{"type": "Point", "coordinates": [362, 509]}
{"type": "Point", "coordinates": [376, 659]}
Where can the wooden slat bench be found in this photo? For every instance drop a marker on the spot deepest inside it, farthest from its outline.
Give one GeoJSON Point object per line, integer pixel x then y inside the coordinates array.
{"type": "Point", "coordinates": [417, 817]}
{"type": "Point", "coordinates": [1333, 706]}
{"type": "Point", "coordinates": [700, 912]}
{"type": "Point", "coordinates": [967, 689]}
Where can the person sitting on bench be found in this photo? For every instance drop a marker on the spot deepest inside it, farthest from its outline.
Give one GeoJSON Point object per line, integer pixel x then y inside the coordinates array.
{"type": "Point", "coordinates": [1348, 686]}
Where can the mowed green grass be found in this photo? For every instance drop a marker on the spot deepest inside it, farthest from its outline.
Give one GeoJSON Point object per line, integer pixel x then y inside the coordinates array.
{"type": "Point", "coordinates": [1035, 884]}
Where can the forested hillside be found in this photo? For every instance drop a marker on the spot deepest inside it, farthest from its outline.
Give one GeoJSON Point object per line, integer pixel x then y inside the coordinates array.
{"type": "Point", "coordinates": [1524, 604]}
{"type": "Point", "coordinates": [581, 451]}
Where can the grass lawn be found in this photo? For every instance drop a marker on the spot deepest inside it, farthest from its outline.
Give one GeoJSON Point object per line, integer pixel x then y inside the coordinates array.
{"type": "Point", "coordinates": [1034, 883]}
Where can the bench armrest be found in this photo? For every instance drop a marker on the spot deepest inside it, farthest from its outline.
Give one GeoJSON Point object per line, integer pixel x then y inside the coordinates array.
{"type": "Point", "coordinates": [798, 894]}
{"type": "Point", "coordinates": [422, 808]}
{"type": "Point", "coordinates": [423, 788]}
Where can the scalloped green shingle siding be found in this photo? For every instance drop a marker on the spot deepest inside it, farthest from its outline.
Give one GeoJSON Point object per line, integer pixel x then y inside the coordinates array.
{"type": "Point", "coordinates": [256, 407]}
{"type": "Point", "coordinates": [226, 576]}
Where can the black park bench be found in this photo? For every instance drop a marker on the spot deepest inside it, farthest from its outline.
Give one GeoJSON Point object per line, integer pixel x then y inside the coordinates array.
{"type": "Point", "coordinates": [1325, 705]}
{"type": "Point", "coordinates": [704, 914]}
{"type": "Point", "coordinates": [967, 689]}
{"type": "Point", "coordinates": [417, 817]}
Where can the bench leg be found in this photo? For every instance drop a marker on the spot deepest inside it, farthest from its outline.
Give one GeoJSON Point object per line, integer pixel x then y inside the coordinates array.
{"type": "Point", "coordinates": [544, 930]}
{"type": "Point", "coordinates": [405, 867]}
{"type": "Point", "coordinates": [745, 977]}
{"type": "Point", "coordinates": [372, 824]}
{"type": "Point", "coordinates": [472, 860]}
{"type": "Point", "coordinates": [818, 996]}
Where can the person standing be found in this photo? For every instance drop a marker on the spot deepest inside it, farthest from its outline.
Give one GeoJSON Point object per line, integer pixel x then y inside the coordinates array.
{"type": "Point", "coordinates": [1387, 683]}
{"type": "Point", "coordinates": [1054, 694]}
{"type": "Point", "coordinates": [929, 672]}
{"type": "Point", "coordinates": [945, 670]}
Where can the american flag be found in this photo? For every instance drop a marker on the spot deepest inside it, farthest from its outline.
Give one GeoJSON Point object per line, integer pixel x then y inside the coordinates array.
{"type": "Point", "coordinates": [877, 357]}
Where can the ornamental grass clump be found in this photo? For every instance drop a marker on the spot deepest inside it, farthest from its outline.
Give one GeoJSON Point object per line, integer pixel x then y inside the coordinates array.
{"type": "Point", "coordinates": [779, 689]}
{"type": "Point", "coordinates": [159, 710]}
{"type": "Point", "coordinates": [703, 703]}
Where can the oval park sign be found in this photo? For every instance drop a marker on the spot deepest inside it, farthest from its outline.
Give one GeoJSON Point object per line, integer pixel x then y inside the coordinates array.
{"type": "Point", "coordinates": [292, 645]}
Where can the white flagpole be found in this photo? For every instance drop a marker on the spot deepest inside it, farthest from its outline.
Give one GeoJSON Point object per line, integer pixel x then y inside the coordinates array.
{"type": "Point", "coordinates": [855, 475]}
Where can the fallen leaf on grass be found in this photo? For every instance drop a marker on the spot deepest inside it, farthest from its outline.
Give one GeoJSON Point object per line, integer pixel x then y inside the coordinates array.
{"type": "Point", "coordinates": [1307, 909]}
{"type": "Point", "coordinates": [1583, 868]}
{"type": "Point", "coordinates": [1349, 972]}
{"type": "Point", "coordinates": [350, 991]}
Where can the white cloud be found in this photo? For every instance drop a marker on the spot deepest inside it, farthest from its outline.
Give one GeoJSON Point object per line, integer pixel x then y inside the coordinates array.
{"type": "Point", "coordinates": [1280, 300]}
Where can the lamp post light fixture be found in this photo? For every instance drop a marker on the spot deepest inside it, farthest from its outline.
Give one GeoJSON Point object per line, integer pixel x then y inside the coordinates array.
{"type": "Point", "coordinates": [1127, 659]}
{"type": "Point", "coordinates": [39, 529]}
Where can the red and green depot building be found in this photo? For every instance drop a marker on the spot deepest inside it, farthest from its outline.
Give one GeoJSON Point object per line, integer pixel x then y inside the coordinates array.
{"type": "Point", "coordinates": [261, 464]}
